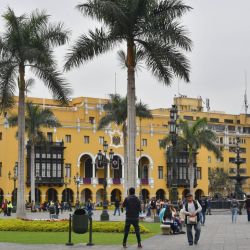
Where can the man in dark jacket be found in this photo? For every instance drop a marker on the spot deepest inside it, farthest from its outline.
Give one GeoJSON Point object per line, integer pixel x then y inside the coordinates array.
{"type": "Point", "coordinates": [248, 207]}
{"type": "Point", "coordinates": [132, 207]}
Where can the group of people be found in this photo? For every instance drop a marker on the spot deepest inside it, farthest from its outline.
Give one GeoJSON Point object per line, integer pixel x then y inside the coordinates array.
{"type": "Point", "coordinates": [190, 210]}
{"type": "Point", "coordinates": [6, 207]}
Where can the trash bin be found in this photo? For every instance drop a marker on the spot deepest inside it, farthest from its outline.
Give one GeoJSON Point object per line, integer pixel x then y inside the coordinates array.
{"type": "Point", "coordinates": [80, 221]}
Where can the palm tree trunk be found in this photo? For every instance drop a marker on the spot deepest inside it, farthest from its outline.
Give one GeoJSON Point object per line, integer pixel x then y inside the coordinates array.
{"type": "Point", "coordinates": [191, 175]}
{"type": "Point", "coordinates": [125, 153]}
{"type": "Point", "coordinates": [32, 172]}
{"type": "Point", "coordinates": [21, 145]}
{"type": "Point", "coordinates": [131, 115]}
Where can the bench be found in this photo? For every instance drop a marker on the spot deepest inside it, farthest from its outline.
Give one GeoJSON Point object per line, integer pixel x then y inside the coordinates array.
{"type": "Point", "coordinates": [166, 229]}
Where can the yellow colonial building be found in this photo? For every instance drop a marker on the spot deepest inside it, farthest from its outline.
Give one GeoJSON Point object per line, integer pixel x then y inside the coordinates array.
{"type": "Point", "coordinates": [73, 149]}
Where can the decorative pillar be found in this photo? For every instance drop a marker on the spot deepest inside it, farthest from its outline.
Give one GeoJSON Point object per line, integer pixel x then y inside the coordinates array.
{"type": "Point", "coordinates": [93, 170]}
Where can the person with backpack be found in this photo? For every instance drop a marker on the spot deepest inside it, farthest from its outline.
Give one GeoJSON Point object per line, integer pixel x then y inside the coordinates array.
{"type": "Point", "coordinates": [192, 208]}
{"type": "Point", "coordinates": [234, 209]}
{"type": "Point", "coordinates": [132, 207]}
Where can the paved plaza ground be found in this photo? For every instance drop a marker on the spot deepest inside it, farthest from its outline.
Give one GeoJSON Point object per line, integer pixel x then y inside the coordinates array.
{"type": "Point", "coordinates": [218, 234]}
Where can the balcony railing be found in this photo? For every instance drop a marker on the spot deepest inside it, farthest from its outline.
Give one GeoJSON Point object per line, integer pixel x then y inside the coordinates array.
{"type": "Point", "coordinates": [144, 181]}
{"type": "Point", "coordinates": [86, 180]}
{"type": "Point", "coordinates": [47, 181]}
{"type": "Point", "coordinates": [116, 181]}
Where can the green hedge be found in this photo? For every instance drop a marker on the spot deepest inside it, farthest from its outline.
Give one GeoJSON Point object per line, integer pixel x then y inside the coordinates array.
{"type": "Point", "coordinates": [61, 226]}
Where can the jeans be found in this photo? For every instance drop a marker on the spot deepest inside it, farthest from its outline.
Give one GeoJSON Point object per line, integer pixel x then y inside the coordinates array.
{"type": "Point", "coordinates": [234, 214]}
{"type": "Point", "coordinates": [203, 217]}
{"type": "Point", "coordinates": [117, 209]}
{"type": "Point", "coordinates": [190, 233]}
{"type": "Point", "coordinates": [135, 224]}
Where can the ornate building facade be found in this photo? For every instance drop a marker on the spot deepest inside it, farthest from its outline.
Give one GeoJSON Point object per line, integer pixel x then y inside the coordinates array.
{"type": "Point", "coordinates": [66, 168]}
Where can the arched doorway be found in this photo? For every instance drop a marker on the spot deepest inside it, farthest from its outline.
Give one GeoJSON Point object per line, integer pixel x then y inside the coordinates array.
{"type": "Point", "coordinates": [143, 168]}
{"type": "Point", "coordinates": [116, 194]}
{"type": "Point", "coordinates": [86, 166]}
{"type": "Point", "coordinates": [116, 166]}
{"type": "Point", "coordinates": [145, 194]}
{"type": "Point", "coordinates": [51, 195]}
{"type": "Point", "coordinates": [198, 194]}
{"type": "Point", "coordinates": [37, 195]}
{"type": "Point", "coordinates": [68, 195]}
{"type": "Point", "coordinates": [100, 195]}
{"type": "Point", "coordinates": [86, 194]}
{"type": "Point", "coordinates": [1, 196]}
{"type": "Point", "coordinates": [160, 194]}
{"type": "Point", "coordinates": [184, 193]}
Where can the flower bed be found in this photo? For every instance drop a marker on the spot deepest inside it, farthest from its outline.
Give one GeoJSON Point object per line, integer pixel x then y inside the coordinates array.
{"type": "Point", "coordinates": [61, 226]}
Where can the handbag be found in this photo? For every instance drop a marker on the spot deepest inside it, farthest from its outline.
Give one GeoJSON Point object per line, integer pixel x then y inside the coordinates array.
{"type": "Point", "coordinates": [192, 220]}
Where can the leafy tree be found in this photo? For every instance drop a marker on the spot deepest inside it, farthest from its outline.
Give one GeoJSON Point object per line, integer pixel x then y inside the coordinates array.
{"type": "Point", "coordinates": [27, 44]}
{"type": "Point", "coordinates": [116, 111]}
{"type": "Point", "coordinates": [192, 137]}
{"type": "Point", "coordinates": [220, 183]}
{"type": "Point", "coordinates": [36, 118]}
{"type": "Point", "coordinates": [150, 26]}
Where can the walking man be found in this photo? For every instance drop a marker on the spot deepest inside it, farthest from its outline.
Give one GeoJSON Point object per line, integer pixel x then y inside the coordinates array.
{"type": "Point", "coordinates": [248, 207]}
{"type": "Point", "coordinates": [192, 219]}
{"type": "Point", "coordinates": [132, 206]}
{"type": "Point", "coordinates": [117, 207]}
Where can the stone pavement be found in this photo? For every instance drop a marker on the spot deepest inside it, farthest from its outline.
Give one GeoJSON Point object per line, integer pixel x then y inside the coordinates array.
{"type": "Point", "coordinates": [218, 234]}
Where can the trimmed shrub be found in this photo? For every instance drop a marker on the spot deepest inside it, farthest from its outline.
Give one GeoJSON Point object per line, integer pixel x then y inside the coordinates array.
{"type": "Point", "coordinates": [61, 226]}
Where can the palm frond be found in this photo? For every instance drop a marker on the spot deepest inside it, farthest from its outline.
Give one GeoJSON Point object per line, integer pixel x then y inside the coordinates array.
{"type": "Point", "coordinates": [87, 47]}
{"type": "Point", "coordinates": [53, 80]}
{"type": "Point", "coordinates": [107, 11]}
{"type": "Point", "coordinates": [7, 86]}
{"type": "Point", "coordinates": [143, 111]}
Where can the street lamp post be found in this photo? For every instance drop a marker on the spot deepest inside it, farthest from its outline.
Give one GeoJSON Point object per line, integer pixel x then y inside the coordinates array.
{"type": "Point", "coordinates": [173, 133]}
{"type": "Point", "coordinates": [14, 178]}
{"type": "Point", "coordinates": [140, 150]}
{"type": "Point", "coordinates": [103, 161]}
{"type": "Point", "coordinates": [77, 182]}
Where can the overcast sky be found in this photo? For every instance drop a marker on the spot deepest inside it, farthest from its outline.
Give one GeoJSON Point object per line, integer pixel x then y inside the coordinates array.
{"type": "Point", "coordinates": [220, 30]}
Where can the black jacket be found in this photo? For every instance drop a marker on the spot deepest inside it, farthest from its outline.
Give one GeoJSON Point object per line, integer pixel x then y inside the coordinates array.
{"type": "Point", "coordinates": [132, 206]}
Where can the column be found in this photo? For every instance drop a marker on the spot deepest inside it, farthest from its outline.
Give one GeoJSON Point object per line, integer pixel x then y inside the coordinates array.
{"type": "Point", "coordinates": [93, 170]}
{"type": "Point", "coordinates": [108, 170]}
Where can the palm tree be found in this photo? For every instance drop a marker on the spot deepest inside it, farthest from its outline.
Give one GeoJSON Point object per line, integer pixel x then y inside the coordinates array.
{"type": "Point", "coordinates": [151, 26]}
{"type": "Point", "coordinates": [116, 111]}
{"type": "Point", "coordinates": [35, 119]}
{"type": "Point", "coordinates": [192, 138]}
{"type": "Point", "coordinates": [27, 44]}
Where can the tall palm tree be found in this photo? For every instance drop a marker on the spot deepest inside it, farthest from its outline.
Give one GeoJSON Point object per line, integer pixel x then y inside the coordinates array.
{"type": "Point", "coordinates": [192, 138]}
{"type": "Point", "coordinates": [152, 26]}
{"type": "Point", "coordinates": [116, 111]}
{"type": "Point", "coordinates": [27, 44]}
{"type": "Point", "coordinates": [36, 118]}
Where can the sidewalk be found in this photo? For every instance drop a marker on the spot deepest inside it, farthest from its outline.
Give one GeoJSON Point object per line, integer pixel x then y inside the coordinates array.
{"type": "Point", "coordinates": [218, 234]}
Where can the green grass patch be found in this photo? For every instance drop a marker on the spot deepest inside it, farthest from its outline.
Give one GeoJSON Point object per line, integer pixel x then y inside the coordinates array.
{"type": "Point", "coordinates": [62, 237]}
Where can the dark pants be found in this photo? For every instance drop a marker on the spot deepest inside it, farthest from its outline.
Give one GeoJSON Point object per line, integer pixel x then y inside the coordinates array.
{"type": "Point", "coordinates": [135, 224]}
{"type": "Point", "coordinates": [190, 233]}
{"type": "Point", "coordinates": [248, 214]}
{"type": "Point", "coordinates": [117, 209]}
